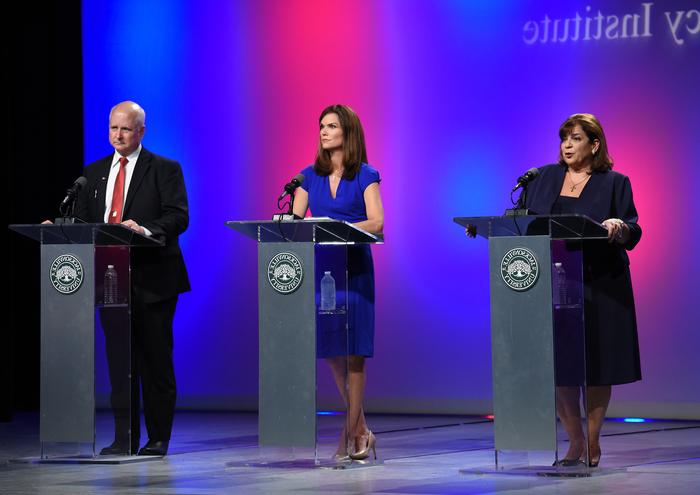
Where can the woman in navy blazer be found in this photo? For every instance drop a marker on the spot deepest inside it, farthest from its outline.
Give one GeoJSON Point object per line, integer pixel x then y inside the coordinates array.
{"type": "Point", "coordinates": [583, 182]}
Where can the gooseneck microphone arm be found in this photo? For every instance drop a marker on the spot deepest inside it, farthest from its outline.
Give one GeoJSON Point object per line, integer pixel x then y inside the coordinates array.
{"type": "Point", "coordinates": [526, 178]}
{"type": "Point", "coordinates": [291, 186]}
{"type": "Point", "coordinates": [522, 199]}
{"type": "Point", "coordinates": [289, 189]}
{"type": "Point", "coordinates": [71, 195]}
{"type": "Point", "coordinates": [523, 181]}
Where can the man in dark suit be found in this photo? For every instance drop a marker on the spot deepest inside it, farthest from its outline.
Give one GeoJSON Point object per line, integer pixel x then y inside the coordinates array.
{"type": "Point", "coordinates": [146, 193]}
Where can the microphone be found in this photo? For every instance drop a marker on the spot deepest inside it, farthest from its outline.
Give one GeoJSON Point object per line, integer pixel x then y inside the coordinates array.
{"type": "Point", "coordinates": [73, 191]}
{"type": "Point", "coordinates": [526, 178]}
{"type": "Point", "coordinates": [291, 186]}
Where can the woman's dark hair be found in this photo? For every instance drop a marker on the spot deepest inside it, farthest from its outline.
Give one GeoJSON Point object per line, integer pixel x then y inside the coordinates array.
{"type": "Point", "coordinates": [591, 126]}
{"type": "Point", "coordinates": [354, 151]}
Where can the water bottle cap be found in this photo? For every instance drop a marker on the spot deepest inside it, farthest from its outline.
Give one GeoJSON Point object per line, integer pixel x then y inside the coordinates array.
{"type": "Point", "coordinates": [110, 266]}
{"type": "Point", "coordinates": [326, 273]}
{"type": "Point", "coordinates": [558, 265]}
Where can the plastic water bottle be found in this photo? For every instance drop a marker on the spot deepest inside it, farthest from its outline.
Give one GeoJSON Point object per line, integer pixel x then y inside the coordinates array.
{"type": "Point", "coordinates": [560, 293]}
{"type": "Point", "coordinates": [110, 286]}
{"type": "Point", "coordinates": [327, 292]}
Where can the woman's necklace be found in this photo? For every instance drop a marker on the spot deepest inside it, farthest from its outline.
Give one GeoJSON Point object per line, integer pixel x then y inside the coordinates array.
{"type": "Point", "coordinates": [574, 185]}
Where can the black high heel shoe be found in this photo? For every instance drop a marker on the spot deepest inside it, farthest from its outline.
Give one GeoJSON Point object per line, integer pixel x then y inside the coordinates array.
{"type": "Point", "coordinates": [571, 461]}
{"type": "Point", "coordinates": [568, 463]}
{"type": "Point", "coordinates": [594, 461]}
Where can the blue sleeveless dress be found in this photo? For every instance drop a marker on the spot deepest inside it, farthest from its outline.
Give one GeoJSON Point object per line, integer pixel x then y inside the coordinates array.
{"type": "Point", "coordinates": [349, 205]}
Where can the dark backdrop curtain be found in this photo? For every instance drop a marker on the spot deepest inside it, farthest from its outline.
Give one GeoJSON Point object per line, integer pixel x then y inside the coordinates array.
{"type": "Point", "coordinates": [42, 154]}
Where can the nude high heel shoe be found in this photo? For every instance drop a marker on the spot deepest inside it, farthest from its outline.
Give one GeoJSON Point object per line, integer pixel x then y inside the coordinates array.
{"type": "Point", "coordinates": [363, 453]}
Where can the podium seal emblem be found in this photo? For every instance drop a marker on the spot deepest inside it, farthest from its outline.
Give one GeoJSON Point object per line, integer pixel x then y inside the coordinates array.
{"type": "Point", "coordinates": [285, 273]}
{"type": "Point", "coordinates": [519, 269]}
{"type": "Point", "coordinates": [66, 274]}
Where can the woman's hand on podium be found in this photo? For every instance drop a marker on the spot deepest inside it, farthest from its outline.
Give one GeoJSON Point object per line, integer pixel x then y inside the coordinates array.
{"type": "Point", "coordinates": [618, 230]}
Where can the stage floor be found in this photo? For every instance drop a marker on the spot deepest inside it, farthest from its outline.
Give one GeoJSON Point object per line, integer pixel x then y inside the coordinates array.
{"type": "Point", "coordinates": [417, 455]}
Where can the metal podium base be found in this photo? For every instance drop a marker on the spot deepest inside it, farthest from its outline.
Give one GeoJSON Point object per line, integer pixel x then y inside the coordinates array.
{"type": "Point", "coordinates": [103, 459]}
{"type": "Point", "coordinates": [308, 464]}
{"type": "Point", "coordinates": [546, 471]}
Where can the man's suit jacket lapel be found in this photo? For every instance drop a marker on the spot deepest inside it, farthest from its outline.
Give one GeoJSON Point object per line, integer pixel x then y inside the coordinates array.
{"type": "Point", "coordinates": [140, 169]}
{"type": "Point", "coordinates": [101, 188]}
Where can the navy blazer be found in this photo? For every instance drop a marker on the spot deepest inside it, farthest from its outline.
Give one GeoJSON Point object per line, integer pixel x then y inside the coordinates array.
{"type": "Point", "coordinates": [156, 200]}
{"type": "Point", "coordinates": [607, 194]}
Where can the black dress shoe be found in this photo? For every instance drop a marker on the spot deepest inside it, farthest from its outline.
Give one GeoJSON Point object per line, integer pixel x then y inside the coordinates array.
{"type": "Point", "coordinates": [117, 448]}
{"type": "Point", "coordinates": [568, 463]}
{"type": "Point", "coordinates": [154, 448]}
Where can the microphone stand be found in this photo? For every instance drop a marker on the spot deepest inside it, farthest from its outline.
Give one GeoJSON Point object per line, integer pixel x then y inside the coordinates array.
{"type": "Point", "coordinates": [68, 214]}
{"type": "Point", "coordinates": [289, 215]}
{"type": "Point", "coordinates": [519, 209]}
{"type": "Point", "coordinates": [290, 210]}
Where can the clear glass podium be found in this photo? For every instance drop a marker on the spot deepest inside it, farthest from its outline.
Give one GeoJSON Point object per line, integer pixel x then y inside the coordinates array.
{"type": "Point", "coordinates": [303, 310]}
{"type": "Point", "coordinates": [537, 335]}
{"type": "Point", "coordinates": [86, 385]}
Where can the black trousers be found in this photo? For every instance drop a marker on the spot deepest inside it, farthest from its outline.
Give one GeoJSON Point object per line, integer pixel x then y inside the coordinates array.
{"type": "Point", "coordinates": [141, 361]}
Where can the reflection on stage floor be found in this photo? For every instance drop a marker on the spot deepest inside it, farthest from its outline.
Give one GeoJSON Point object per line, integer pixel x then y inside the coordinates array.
{"type": "Point", "coordinates": [216, 452]}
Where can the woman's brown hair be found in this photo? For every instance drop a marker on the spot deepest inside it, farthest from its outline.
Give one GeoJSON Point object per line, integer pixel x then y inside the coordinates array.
{"type": "Point", "coordinates": [354, 151]}
{"type": "Point", "coordinates": [591, 126]}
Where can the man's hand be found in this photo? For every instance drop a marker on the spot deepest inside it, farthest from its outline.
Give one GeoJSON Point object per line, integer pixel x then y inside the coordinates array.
{"type": "Point", "coordinates": [134, 226]}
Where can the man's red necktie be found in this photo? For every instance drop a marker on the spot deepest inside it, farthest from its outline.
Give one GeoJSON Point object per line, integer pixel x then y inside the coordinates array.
{"type": "Point", "coordinates": [115, 212]}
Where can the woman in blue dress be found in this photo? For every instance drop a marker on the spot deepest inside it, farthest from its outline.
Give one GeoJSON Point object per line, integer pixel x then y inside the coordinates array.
{"type": "Point", "coordinates": [583, 182]}
{"type": "Point", "coordinates": [341, 185]}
